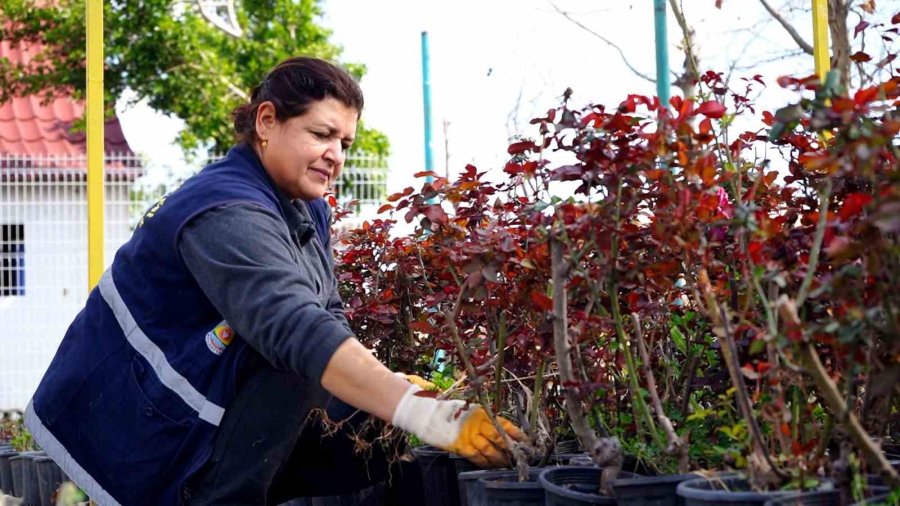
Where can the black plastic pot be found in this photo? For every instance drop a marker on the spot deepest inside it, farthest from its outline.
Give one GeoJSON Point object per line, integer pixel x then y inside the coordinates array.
{"type": "Point", "coordinates": [724, 490]}
{"type": "Point", "coordinates": [507, 490]}
{"type": "Point", "coordinates": [6, 480]}
{"type": "Point", "coordinates": [49, 477]}
{"type": "Point", "coordinates": [575, 485]}
{"type": "Point", "coordinates": [471, 483]}
{"type": "Point", "coordinates": [885, 499]}
{"type": "Point", "coordinates": [369, 496]}
{"type": "Point", "coordinates": [650, 490]}
{"type": "Point", "coordinates": [16, 463]}
{"type": "Point", "coordinates": [471, 491]}
{"type": "Point", "coordinates": [462, 465]}
{"type": "Point", "coordinates": [31, 492]}
{"type": "Point", "coordinates": [438, 476]}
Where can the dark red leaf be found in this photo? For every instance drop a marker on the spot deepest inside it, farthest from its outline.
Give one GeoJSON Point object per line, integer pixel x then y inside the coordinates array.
{"type": "Point", "coordinates": [513, 168]}
{"type": "Point", "coordinates": [854, 204]}
{"type": "Point", "coordinates": [435, 214]}
{"type": "Point", "coordinates": [865, 95]}
{"type": "Point", "coordinates": [384, 208]}
{"type": "Point", "coordinates": [860, 57]}
{"type": "Point", "coordinates": [895, 20]}
{"type": "Point", "coordinates": [425, 173]}
{"type": "Point", "coordinates": [541, 301]}
{"type": "Point", "coordinates": [860, 27]}
{"type": "Point", "coordinates": [711, 109]}
{"type": "Point", "coordinates": [520, 147]}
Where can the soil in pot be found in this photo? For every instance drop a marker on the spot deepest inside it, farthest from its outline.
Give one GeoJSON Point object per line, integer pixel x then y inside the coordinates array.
{"type": "Point", "coordinates": [439, 484]}
{"type": "Point", "coordinates": [731, 490]}
{"type": "Point", "coordinates": [575, 485]}
{"type": "Point", "coordinates": [650, 490]}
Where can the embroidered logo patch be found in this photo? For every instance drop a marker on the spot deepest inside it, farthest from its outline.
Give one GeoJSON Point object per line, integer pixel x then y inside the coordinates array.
{"type": "Point", "coordinates": [219, 338]}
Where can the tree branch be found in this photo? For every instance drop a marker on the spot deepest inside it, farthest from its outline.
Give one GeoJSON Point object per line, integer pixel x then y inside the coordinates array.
{"type": "Point", "coordinates": [808, 49]}
{"type": "Point", "coordinates": [605, 40]}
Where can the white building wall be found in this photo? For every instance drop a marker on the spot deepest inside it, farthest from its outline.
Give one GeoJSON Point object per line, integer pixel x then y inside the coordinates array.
{"type": "Point", "coordinates": [54, 215]}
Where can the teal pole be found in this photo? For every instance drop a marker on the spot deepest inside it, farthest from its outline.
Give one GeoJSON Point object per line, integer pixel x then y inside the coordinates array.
{"type": "Point", "coordinates": [426, 98]}
{"type": "Point", "coordinates": [662, 52]}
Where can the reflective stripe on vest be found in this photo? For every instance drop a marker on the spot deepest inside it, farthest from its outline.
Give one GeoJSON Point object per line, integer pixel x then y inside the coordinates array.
{"type": "Point", "coordinates": [167, 375]}
{"type": "Point", "coordinates": [56, 451]}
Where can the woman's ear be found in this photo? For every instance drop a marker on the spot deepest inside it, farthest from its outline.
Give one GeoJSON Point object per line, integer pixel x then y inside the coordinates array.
{"type": "Point", "coordinates": [266, 120]}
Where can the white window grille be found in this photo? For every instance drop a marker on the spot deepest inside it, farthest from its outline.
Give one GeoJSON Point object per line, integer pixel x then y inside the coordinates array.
{"type": "Point", "coordinates": [12, 260]}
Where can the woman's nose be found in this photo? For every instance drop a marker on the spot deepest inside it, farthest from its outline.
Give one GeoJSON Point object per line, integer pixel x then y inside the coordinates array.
{"type": "Point", "coordinates": [335, 152]}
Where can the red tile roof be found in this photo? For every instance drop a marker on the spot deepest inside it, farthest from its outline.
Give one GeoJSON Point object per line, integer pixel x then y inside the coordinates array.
{"type": "Point", "coordinates": [31, 129]}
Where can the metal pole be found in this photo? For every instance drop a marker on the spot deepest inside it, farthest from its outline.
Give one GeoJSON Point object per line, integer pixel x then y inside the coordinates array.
{"type": "Point", "coordinates": [95, 176]}
{"type": "Point", "coordinates": [821, 54]}
{"type": "Point", "coordinates": [662, 52]}
{"type": "Point", "coordinates": [426, 98]}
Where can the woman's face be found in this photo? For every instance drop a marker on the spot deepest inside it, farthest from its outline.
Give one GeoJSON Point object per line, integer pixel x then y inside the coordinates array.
{"type": "Point", "coordinates": [304, 155]}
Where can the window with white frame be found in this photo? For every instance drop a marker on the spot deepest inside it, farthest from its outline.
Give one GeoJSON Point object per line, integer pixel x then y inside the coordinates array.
{"type": "Point", "coordinates": [12, 260]}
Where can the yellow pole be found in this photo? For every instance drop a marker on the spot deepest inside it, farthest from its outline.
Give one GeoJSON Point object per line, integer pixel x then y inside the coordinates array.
{"type": "Point", "coordinates": [820, 38]}
{"type": "Point", "coordinates": [95, 151]}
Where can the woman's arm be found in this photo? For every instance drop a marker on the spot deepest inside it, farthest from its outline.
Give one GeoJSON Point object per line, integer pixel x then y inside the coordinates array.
{"type": "Point", "coordinates": [356, 377]}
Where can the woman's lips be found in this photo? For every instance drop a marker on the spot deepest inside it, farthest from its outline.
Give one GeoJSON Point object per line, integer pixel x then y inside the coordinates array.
{"type": "Point", "coordinates": [326, 175]}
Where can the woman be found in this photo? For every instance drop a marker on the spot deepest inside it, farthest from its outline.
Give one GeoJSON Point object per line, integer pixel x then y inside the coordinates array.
{"type": "Point", "coordinates": [190, 372]}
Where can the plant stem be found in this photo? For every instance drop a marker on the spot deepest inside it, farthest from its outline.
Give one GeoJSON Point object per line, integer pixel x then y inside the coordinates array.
{"type": "Point", "coordinates": [498, 370]}
{"type": "Point", "coordinates": [722, 328]}
{"type": "Point", "coordinates": [482, 398]}
{"type": "Point", "coordinates": [537, 394]}
{"type": "Point", "coordinates": [606, 453]}
{"type": "Point", "coordinates": [676, 447]}
{"type": "Point", "coordinates": [817, 244]}
{"type": "Point", "coordinates": [643, 412]}
{"type": "Point", "coordinates": [870, 450]}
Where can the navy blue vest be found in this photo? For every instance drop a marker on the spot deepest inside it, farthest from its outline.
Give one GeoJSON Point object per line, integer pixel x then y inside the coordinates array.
{"type": "Point", "coordinates": [132, 399]}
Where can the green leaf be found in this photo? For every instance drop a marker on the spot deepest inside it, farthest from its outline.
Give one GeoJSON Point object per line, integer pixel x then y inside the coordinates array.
{"type": "Point", "coordinates": [678, 339]}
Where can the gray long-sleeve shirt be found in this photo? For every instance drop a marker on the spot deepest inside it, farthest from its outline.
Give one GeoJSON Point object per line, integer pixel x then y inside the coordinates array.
{"type": "Point", "coordinates": [271, 279]}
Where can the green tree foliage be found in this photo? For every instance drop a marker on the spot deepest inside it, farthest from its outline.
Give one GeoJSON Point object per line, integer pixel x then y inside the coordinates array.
{"type": "Point", "coordinates": [169, 54]}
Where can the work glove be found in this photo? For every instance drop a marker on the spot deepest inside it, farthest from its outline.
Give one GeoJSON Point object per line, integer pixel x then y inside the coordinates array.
{"type": "Point", "coordinates": [419, 381]}
{"type": "Point", "coordinates": [455, 426]}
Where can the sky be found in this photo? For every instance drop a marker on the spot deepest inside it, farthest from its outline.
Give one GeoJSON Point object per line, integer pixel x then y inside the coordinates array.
{"type": "Point", "coordinates": [495, 64]}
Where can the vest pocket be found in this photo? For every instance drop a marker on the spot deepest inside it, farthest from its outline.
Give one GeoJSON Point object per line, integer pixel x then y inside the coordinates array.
{"type": "Point", "coordinates": [159, 398]}
{"type": "Point", "coordinates": [129, 440]}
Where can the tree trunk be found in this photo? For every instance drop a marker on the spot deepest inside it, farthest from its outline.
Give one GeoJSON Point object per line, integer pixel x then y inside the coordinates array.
{"type": "Point", "coordinates": [838, 12]}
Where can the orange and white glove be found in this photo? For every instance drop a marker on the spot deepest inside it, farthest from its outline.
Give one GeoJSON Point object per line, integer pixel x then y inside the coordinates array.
{"type": "Point", "coordinates": [453, 426]}
{"type": "Point", "coordinates": [419, 381]}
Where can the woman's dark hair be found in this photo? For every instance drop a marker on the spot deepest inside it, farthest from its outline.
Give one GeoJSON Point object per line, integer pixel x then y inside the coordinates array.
{"type": "Point", "coordinates": [293, 85]}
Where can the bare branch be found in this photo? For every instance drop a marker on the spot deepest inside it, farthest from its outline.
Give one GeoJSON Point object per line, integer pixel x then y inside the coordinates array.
{"type": "Point", "coordinates": [605, 40]}
{"type": "Point", "coordinates": [687, 80]}
{"type": "Point", "coordinates": [677, 447]}
{"type": "Point", "coordinates": [808, 49]}
{"type": "Point", "coordinates": [607, 452]}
